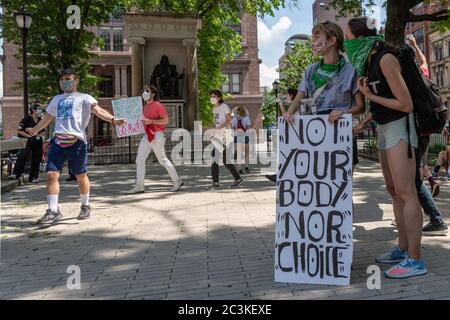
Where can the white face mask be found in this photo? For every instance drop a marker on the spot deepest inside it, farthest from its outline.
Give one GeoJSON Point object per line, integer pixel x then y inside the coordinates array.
{"type": "Point", "coordinates": [214, 101]}
{"type": "Point", "coordinates": [39, 112]}
{"type": "Point", "coordinates": [146, 95]}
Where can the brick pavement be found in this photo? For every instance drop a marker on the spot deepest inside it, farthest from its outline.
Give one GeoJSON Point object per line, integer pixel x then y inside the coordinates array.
{"type": "Point", "coordinates": [195, 244]}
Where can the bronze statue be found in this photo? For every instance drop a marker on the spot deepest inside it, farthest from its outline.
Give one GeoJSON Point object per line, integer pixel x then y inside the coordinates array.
{"type": "Point", "coordinates": [165, 77]}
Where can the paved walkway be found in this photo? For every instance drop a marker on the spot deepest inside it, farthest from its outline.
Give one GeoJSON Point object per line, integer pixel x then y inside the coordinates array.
{"type": "Point", "coordinates": [194, 244]}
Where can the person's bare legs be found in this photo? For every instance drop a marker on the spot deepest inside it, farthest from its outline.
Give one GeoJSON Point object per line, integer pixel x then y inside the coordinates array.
{"type": "Point", "coordinates": [53, 182]}
{"type": "Point", "coordinates": [403, 172]}
{"type": "Point", "coordinates": [396, 201]}
{"type": "Point", "coordinates": [83, 183]}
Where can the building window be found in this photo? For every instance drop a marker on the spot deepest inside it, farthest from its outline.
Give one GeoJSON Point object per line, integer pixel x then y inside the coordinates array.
{"type": "Point", "coordinates": [106, 86]}
{"type": "Point", "coordinates": [106, 37]}
{"type": "Point", "coordinates": [112, 38]}
{"type": "Point", "coordinates": [117, 40]}
{"type": "Point", "coordinates": [232, 83]}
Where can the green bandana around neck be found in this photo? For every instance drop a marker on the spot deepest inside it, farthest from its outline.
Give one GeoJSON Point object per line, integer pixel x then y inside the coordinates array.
{"type": "Point", "coordinates": [325, 72]}
{"type": "Point", "coordinates": [358, 51]}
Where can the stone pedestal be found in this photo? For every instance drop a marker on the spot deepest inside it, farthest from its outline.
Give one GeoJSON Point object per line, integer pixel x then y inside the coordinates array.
{"type": "Point", "coordinates": [153, 35]}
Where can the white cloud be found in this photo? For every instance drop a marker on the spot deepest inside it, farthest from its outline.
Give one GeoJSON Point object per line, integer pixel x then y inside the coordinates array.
{"type": "Point", "coordinates": [275, 34]}
{"type": "Point", "coordinates": [267, 75]}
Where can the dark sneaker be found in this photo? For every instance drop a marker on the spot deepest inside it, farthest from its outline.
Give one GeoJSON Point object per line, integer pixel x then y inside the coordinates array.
{"type": "Point", "coordinates": [236, 184]}
{"type": "Point", "coordinates": [271, 177]}
{"type": "Point", "coordinates": [247, 170]}
{"type": "Point", "coordinates": [50, 217]}
{"type": "Point", "coordinates": [435, 230]}
{"type": "Point", "coordinates": [435, 189]}
{"type": "Point", "coordinates": [71, 178]}
{"type": "Point", "coordinates": [240, 171]}
{"type": "Point", "coordinates": [85, 212]}
{"type": "Point", "coordinates": [215, 185]}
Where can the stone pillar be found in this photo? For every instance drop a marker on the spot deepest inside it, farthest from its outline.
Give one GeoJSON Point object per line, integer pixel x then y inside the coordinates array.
{"type": "Point", "coordinates": [136, 66]}
{"type": "Point", "coordinates": [123, 71]}
{"type": "Point", "coordinates": [116, 81]}
{"type": "Point", "coordinates": [191, 110]}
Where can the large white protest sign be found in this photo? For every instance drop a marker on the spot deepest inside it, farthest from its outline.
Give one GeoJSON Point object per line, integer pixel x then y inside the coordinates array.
{"type": "Point", "coordinates": [313, 241]}
{"type": "Point", "coordinates": [131, 110]}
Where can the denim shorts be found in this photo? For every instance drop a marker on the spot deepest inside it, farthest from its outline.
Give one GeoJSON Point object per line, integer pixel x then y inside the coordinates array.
{"type": "Point", "coordinates": [75, 155]}
{"type": "Point", "coordinates": [390, 134]}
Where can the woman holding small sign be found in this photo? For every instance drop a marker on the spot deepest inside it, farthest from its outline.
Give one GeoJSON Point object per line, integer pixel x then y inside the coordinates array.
{"type": "Point", "coordinates": [155, 120]}
{"type": "Point", "coordinates": [391, 106]}
{"type": "Point", "coordinates": [222, 121]}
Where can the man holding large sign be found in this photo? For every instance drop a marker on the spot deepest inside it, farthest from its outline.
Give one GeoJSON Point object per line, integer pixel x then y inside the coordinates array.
{"type": "Point", "coordinates": [313, 242]}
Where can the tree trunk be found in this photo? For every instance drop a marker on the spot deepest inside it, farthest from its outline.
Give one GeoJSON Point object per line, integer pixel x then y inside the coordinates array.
{"type": "Point", "coordinates": [397, 18]}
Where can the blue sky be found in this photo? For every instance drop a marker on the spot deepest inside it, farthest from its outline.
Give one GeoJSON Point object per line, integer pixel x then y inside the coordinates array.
{"type": "Point", "coordinates": [274, 31]}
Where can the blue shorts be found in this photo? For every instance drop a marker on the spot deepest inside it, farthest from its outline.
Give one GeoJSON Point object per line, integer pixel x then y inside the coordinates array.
{"type": "Point", "coordinates": [75, 155]}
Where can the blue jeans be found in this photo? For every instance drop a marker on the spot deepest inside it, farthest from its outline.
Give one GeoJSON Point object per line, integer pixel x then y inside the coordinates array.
{"type": "Point", "coordinates": [425, 197]}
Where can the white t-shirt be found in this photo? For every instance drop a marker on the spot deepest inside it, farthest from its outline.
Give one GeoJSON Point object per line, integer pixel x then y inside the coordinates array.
{"type": "Point", "coordinates": [220, 113]}
{"type": "Point", "coordinates": [72, 112]}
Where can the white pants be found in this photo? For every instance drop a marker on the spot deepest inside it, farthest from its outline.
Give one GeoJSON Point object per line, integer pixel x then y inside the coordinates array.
{"type": "Point", "coordinates": [157, 145]}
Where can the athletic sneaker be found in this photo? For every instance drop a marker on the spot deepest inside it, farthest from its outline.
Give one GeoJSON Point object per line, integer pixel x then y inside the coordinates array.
{"type": "Point", "coordinates": [50, 217]}
{"type": "Point", "coordinates": [435, 188]}
{"type": "Point", "coordinates": [12, 177]}
{"type": "Point", "coordinates": [215, 185]}
{"type": "Point", "coordinates": [247, 170]}
{"type": "Point", "coordinates": [394, 256]}
{"type": "Point", "coordinates": [236, 184]}
{"type": "Point", "coordinates": [35, 180]}
{"type": "Point", "coordinates": [446, 177]}
{"type": "Point", "coordinates": [435, 230]}
{"type": "Point", "coordinates": [406, 269]}
{"type": "Point", "coordinates": [136, 189]}
{"type": "Point", "coordinates": [177, 186]}
{"type": "Point", "coordinates": [85, 212]}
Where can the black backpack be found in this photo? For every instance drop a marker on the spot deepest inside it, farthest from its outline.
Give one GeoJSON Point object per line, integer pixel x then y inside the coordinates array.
{"type": "Point", "coordinates": [429, 110]}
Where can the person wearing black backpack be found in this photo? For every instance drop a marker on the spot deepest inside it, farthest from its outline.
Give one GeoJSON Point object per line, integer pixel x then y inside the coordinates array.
{"type": "Point", "coordinates": [392, 108]}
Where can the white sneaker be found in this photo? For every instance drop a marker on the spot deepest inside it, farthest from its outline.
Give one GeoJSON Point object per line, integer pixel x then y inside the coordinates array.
{"type": "Point", "coordinates": [12, 177]}
{"type": "Point", "coordinates": [136, 189]}
{"type": "Point", "coordinates": [177, 186]}
{"type": "Point", "coordinates": [36, 180]}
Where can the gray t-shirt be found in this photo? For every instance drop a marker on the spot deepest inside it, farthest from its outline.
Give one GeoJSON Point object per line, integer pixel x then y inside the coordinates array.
{"type": "Point", "coordinates": [72, 112]}
{"type": "Point", "coordinates": [339, 91]}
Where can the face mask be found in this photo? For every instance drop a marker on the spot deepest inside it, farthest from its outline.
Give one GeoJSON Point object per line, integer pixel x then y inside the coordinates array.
{"type": "Point", "coordinates": [214, 101]}
{"type": "Point", "coordinates": [66, 85]}
{"type": "Point", "coordinates": [39, 112]}
{"type": "Point", "coordinates": [319, 47]}
{"type": "Point", "coordinates": [358, 51]}
{"type": "Point", "coordinates": [146, 95]}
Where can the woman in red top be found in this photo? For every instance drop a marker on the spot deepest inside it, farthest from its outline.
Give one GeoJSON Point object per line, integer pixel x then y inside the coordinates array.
{"type": "Point", "coordinates": [155, 120]}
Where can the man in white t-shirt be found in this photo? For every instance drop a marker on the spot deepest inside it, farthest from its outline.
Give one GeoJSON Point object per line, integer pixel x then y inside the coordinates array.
{"type": "Point", "coordinates": [71, 112]}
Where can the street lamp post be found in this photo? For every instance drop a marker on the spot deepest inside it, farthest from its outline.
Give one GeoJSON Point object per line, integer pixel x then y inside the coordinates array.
{"type": "Point", "coordinates": [275, 87]}
{"type": "Point", "coordinates": [23, 21]}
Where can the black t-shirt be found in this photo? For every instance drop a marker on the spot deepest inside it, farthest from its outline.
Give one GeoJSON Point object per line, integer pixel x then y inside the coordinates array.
{"type": "Point", "coordinates": [378, 85]}
{"type": "Point", "coordinates": [28, 122]}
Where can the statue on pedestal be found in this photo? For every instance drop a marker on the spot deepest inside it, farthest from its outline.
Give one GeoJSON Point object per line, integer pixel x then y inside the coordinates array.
{"type": "Point", "coordinates": [165, 77]}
